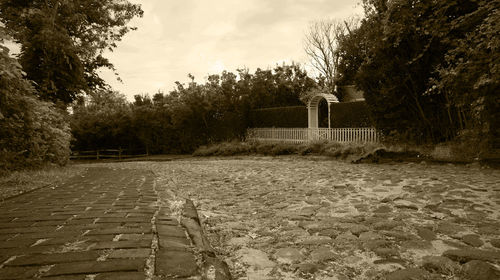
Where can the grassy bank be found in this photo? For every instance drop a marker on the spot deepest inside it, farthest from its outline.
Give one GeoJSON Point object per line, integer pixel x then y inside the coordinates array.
{"type": "Point", "coordinates": [354, 152]}
{"type": "Point", "coordinates": [18, 182]}
{"type": "Point", "coordinates": [348, 151]}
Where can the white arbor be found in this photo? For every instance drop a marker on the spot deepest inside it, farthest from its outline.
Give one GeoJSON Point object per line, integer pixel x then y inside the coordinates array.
{"type": "Point", "coordinates": [312, 108]}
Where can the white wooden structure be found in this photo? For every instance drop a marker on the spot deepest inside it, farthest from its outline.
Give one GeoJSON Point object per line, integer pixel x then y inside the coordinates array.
{"type": "Point", "coordinates": [301, 135]}
{"type": "Point", "coordinates": [313, 132]}
{"type": "Point", "coordinates": [313, 105]}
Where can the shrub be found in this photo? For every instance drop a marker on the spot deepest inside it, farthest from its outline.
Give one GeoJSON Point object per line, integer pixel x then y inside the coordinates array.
{"type": "Point", "coordinates": [32, 132]}
{"type": "Point", "coordinates": [294, 116]}
{"type": "Point", "coordinates": [331, 149]}
{"type": "Point", "coordinates": [350, 114]}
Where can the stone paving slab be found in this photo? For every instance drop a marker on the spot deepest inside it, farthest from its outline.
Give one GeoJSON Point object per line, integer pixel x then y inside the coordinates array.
{"type": "Point", "coordinates": [108, 224]}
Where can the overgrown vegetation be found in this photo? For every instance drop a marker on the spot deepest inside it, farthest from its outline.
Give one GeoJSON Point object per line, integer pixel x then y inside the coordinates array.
{"type": "Point", "coordinates": [61, 50]}
{"type": "Point", "coordinates": [291, 116]}
{"type": "Point", "coordinates": [62, 42]}
{"type": "Point", "coordinates": [350, 114]}
{"type": "Point", "coordinates": [331, 149]}
{"type": "Point", "coordinates": [32, 132]}
{"type": "Point", "coordinates": [189, 116]}
{"type": "Point", "coordinates": [429, 70]}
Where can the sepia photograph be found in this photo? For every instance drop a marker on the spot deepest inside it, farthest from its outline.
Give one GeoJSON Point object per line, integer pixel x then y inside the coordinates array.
{"type": "Point", "coordinates": [250, 140]}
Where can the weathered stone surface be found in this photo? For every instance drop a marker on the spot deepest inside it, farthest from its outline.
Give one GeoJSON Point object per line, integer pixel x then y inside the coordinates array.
{"type": "Point", "coordinates": [18, 272]}
{"type": "Point", "coordinates": [495, 242]}
{"type": "Point", "coordinates": [315, 240]}
{"type": "Point", "coordinates": [416, 244]}
{"type": "Point", "coordinates": [308, 268]}
{"type": "Point", "coordinates": [255, 258]}
{"type": "Point", "coordinates": [449, 228]}
{"type": "Point", "coordinates": [174, 243]}
{"type": "Point", "coordinates": [465, 255]}
{"type": "Point", "coordinates": [121, 276]}
{"type": "Point", "coordinates": [370, 235]}
{"type": "Point", "coordinates": [175, 264]}
{"type": "Point", "coordinates": [122, 244]}
{"type": "Point", "coordinates": [386, 225]}
{"type": "Point", "coordinates": [386, 252]}
{"type": "Point", "coordinates": [259, 202]}
{"type": "Point", "coordinates": [196, 234]}
{"type": "Point", "coordinates": [472, 240]}
{"type": "Point", "coordinates": [383, 209]}
{"type": "Point", "coordinates": [390, 261]}
{"type": "Point", "coordinates": [426, 233]}
{"type": "Point", "coordinates": [322, 254]}
{"type": "Point", "coordinates": [45, 259]}
{"type": "Point", "coordinates": [479, 270]}
{"type": "Point", "coordinates": [358, 229]}
{"type": "Point", "coordinates": [405, 204]}
{"type": "Point", "coordinates": [440, 264]}
{"type": "Point", "coordinates": [288, 255]}
{"type": "Point", "coordinates": [407, 274]}
{"type": "Point", "coordinates": [168, 230]}
{"type": "Point", "coordinates": [95, 267]}
{"type": "Point", "coordinates": [130, 253]}
{"type": "Point", "coordinates": [215, 269]}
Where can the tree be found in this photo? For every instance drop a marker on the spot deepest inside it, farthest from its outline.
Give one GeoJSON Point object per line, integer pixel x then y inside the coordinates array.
{"type": "Point", "coordinates": [321, 43]}
{"type": "Point", "coordinates": [62, 42]}
{"type": "Point", "coordinates": [102, 121]}
{"type": "Point", "coordinates": [32, 132]}
{"type": "Point", "coordinates": [413, 51]}
{"type": "Point", "coordinates": [469, 78]}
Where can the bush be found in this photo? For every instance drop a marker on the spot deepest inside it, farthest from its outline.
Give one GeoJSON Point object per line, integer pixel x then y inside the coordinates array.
{"type": "Point", "coordinates": [33, 136]}
{"type": "Point", "coordinates": [350, 114]}
{"type": "Point", "coordinates": [32, 132]}
{"type": "Point", "coordinates": [331, 149]}
{"type": "Point", "coordinates": [294, 116]}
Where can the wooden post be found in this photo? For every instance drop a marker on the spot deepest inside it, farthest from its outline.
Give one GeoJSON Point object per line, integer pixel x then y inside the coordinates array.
{"type": "Point", "coordinates": [120, 153]}
{"type": "Point", "coordinates": [97, 156]}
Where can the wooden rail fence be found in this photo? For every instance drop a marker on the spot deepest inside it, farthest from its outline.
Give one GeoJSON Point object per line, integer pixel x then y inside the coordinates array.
{"type": "Point", "coordinates": [102, 154]}
{"type": "Point", "coordinates": [301, 135]}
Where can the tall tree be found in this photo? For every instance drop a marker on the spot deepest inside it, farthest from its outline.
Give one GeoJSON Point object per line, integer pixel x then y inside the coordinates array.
{"type": "Point", "coordinates": [321, 43]}
{"type": "Point", "coordinates": [32, 132]}
{"type": "Point", "coordinates": [62, 41]}
{"type": "Point", "coordinates": [420, 75]}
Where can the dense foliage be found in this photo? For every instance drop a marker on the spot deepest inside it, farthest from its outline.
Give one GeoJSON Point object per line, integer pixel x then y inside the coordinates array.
{"type": "Point", "coordinates": [350, 114]}
{"type": "Point", "coordinates": [189, 116]}
{"type": "Point", "coordinates": [291, 116]}
{"type": "Point", "coordinates": [62, 42]}
{"type": "Point", "coordinates": [429, 69]}
{"type": "Point", "coordinates": [32, 132]}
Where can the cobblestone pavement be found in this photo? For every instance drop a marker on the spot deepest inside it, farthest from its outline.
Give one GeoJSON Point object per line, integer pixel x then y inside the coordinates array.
{"type": "Point", "coordinates": [268, 218]}
{"type": "Point", "coordinates": [311, 218]}
{"type": "Point", "coordinates": [107, 224]}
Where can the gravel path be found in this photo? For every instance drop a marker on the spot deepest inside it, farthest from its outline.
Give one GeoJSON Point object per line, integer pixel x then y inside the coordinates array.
{"type": "Point", "coordinates": [312, 218]}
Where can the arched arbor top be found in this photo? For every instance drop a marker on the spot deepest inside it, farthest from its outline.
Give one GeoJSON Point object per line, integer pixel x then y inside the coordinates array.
{"type": "Point", "coordinates": [312, 108]}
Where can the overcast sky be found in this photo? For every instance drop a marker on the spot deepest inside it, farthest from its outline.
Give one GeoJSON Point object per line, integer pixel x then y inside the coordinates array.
{"type": "Point", "coordinates": [204, 37]}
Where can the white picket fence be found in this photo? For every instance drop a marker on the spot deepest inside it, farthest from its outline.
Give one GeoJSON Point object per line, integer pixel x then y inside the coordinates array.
{"type": "Point", "coordinates": [300, 135]}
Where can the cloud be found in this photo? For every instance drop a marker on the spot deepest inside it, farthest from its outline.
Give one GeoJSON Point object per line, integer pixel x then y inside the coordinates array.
{"type": "Point", "coordinates": [175, 38]}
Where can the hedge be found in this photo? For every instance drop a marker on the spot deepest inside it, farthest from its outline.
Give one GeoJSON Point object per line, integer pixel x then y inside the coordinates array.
{"type": "Point", "coordinates": [293, 116]}
{"type": "Point", "coordinates": [350, 114]}
{"type": "Point", "coordinates": [343, 114]}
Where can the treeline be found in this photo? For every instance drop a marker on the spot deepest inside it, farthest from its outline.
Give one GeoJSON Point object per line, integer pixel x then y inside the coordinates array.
{"type": "Point", "coordinates": [32, 132]}
{"type": "Point", "coordinates": [187, 117]}
{"type": "Point", "coordinates": [61, 46]}
{"type": "Point", "coordinates": [429, 70]}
